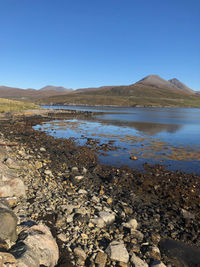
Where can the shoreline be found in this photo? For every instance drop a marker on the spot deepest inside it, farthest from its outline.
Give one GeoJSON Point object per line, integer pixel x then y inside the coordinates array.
{"type": "Point", "coordinates": [164, 204]}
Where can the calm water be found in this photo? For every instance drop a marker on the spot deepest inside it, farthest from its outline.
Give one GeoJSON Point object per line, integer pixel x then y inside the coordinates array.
{"type": "Point", "coordinates": [167, 136]}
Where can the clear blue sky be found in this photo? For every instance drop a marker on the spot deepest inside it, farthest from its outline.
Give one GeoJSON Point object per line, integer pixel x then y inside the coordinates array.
{"type": "Point", "coordinates": [84, 43]}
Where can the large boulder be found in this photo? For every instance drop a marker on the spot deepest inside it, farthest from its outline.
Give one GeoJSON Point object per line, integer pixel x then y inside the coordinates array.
{"type": "Point", "coordinates": [10, 187]}
{"type": "Point", "coordinates": [8, 224]}
{"type": "Point", "coordinates": [36, 246]}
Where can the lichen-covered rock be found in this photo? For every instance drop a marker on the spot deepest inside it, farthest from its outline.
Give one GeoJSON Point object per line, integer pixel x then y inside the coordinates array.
{"type": "Point", "coordinates": [36, 247]}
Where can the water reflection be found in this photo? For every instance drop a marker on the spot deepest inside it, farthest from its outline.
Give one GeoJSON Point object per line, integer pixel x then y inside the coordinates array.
{"type": "Point", "coordinates": [147, 128]}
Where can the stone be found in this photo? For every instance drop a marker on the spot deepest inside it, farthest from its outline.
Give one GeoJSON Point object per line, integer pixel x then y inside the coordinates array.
{"type": "Point", "coordinates": [137, 261]}
{"type": "Point", "coordinates": [38, 165]}
{"type": "Point", "coordinates": [132, 224]}
{"type": "Point", "coordinates": [62, 237]}
{"type": "Point", "coordinates": [99, 222]}
{"type": "Point", "coordinates": [78, 177]}
{"type": "Point", "coordinates": [107, 217]}
{"type": "Point", "coordinates": [35, 247]}
{"type": "Point", "coordinates": [109, 201]}
{"type": "Point", "coordinates": [158, 264]}
{"type": "Point", "coordinates": [11, 164]}
{"type": "Point", "coordinates": [187, 215]}
{"type": "Point", "coordinates": [48, 172]}
{"type": "Point", "coordinates": [117, 252]}
{"type": "Point", "coordinates": [8, 224]}
{"type": "Point", "coordinates": [101, 259]}
{"type": "Point", "coordinates": [12, 187]}
{"type": "Point", "coordinates": [132, 157]}
{"type": "Point", "coordinates": [42, 149]}
{"type": "Point", "coordinates": [154, 252]}
{"type": "Point", "coordinates": [82, 192]}
{"type": "Point", "coordinates": [137, 235]}
{"type": "Point", "coordinates": [95, 199]}
{"type": "Point", "coordinates": [7, 259]}
{"type": "Point", "coordinates": [80, 254]}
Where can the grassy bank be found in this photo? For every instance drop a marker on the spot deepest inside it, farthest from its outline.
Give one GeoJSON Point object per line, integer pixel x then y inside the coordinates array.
{"type": "Point", "coordinates": [7, 105]}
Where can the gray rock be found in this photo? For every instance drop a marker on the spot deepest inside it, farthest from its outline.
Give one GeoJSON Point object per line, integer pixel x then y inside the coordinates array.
{"type": "Point", "coordinates": [36, 247]}
{"type": "Point", "coordinates": [99, 222]}
{"type": "Point", "coordinates": [137, 261]}
{"type": "Point", "coordinates": [132, 224]}
{"type": "Point", "coordinates": [107, 217]}
{"type": "Point", "coordinates": [8, 224]}
{"type": "Point", "coordinates": [12, 187]}
{"type": "Point", "coordinates": [117, 251]}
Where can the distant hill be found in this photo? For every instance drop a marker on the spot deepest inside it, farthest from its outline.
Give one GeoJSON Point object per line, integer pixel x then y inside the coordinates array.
{"type": "Point", "coordinates": [149, 91]}
{"type": "Point", "coordinates": [59, 89]}
{"type": "Point", "coordinates": [31, 94]}
{"type": "Point", "coordinates": [152, 90]}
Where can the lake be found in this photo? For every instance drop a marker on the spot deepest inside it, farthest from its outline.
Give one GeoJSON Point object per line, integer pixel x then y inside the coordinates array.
{"type": "Point", "coordinates": [168, 136]}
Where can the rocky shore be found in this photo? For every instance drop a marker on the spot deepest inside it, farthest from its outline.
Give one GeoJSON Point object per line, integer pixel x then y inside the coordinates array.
{"type": "Point", "coordinates": [60, 207]}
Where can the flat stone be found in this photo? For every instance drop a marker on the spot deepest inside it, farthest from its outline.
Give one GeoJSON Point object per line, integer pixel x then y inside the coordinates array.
{"type": "Point", "coordinates": [107, 217]}
{"type": "Point", "coordinates": [117, 251]}
{"type": "Point", "coordinates": [137, 261]}
{"type": "Point", "coordinates": [82, 191]}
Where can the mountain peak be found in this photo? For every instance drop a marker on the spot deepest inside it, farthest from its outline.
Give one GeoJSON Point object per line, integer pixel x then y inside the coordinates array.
{"type": "Point", "coordinates": [180, 85]}
{"type": "Point", "coordinates": [155, 80]}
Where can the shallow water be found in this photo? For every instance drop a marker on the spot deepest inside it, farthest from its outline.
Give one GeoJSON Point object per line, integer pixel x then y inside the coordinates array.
{"type": "Point", "coordinates": [168, 136]}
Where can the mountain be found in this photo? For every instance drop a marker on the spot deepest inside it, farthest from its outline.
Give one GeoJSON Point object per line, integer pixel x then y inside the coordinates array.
{"type": "Point", "coordinates": [55, 88]}
{"type": "Point", "coordinates": [181, 85]}
{"type": "Point", "coordinates": [152, 90]}
{"type": "Point", "coordinates": [31, 94]}
{"type": "Point", "coordinates": [155, 81]}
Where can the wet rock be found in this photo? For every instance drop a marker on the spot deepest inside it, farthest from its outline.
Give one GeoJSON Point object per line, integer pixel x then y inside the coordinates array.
{"type": "Point", "coordinates": [8, 224]}
{"type": "Point", "coordinates": [36, 247]}
{"type": "Point", "coordinates": [101, 259]}
{"type": "Point", "coordinates": [117, 251]}
{"type": "Point", "coordinates": [7, 259]}
{"type": "Point", "coordinates": [137, 262]}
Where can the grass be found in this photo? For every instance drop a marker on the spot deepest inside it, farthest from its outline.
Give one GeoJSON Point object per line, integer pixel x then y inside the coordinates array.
{"type": "Point", "coordinates": [124, 100]}
{"type": "Point", "coordinates": [7, 105]}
